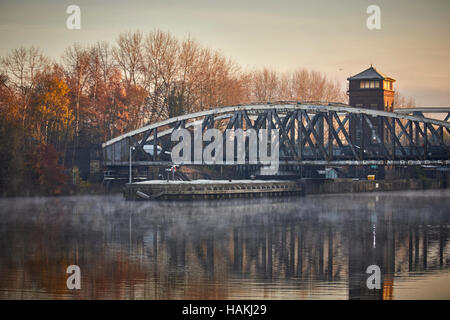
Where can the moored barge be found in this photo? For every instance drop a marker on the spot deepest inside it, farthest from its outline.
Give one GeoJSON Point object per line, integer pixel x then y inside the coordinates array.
{"type": "Point", "coordinates": [210, 189]}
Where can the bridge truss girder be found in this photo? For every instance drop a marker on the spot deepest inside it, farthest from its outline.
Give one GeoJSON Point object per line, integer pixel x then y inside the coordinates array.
{"type": "Point", "coordinates": [309, 134]}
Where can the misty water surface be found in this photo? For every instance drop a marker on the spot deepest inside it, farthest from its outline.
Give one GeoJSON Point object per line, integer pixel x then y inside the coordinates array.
{"type": "Point", "coordinates": [314, 247]}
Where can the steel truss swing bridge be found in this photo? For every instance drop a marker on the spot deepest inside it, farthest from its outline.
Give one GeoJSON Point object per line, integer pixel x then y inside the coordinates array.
{"type": "Point", "coordinates": [309, 134]}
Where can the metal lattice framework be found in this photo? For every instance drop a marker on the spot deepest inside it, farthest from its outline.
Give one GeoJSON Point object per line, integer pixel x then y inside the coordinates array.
{"type": "Point", "coordinates": [428, 110]}
{"type": "Point", "coordinates": [310, 134]}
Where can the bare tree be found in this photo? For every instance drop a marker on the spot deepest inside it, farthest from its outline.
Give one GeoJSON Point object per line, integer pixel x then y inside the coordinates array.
{"type": "Point", "coordinates": [76, 61]}
{"type": "Point", "coordinates": [300, 85]}
{"type": "Point", "coordinates": [265, 85]}
{"type": "Point", "coordinates": [128, 55]}
{"type": "Point", "coordinates": [190, 72]}
{"type": "Point", "coordinates": [400, 101]}
{"type": "Point", "coordinates": [20, 69]}
{"type": "Point", "coordinates": [160, 67]}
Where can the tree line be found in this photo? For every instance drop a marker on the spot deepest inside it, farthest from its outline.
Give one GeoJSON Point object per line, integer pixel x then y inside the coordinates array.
{"type": "Point", "coordinates": [50, 109]}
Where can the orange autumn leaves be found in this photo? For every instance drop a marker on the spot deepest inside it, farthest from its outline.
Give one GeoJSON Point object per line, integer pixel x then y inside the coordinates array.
{"type": "Point", "coordinates": [52, 107]}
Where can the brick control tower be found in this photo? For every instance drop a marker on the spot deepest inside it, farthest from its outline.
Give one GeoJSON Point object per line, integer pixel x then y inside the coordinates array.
{"type": "Point", "coordinates": [370, 89]}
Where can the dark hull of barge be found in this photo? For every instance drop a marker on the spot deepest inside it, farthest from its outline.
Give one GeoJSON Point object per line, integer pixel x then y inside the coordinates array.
{"type": "Point", "coordinates": [203, 190]}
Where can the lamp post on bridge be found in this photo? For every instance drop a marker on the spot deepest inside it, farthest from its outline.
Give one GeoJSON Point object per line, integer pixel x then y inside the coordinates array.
{"type": "Point", "coordinates": [130, 175]}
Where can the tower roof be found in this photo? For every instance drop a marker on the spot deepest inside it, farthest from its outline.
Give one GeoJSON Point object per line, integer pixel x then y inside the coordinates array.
{"type": "Point", "coordinates": [370, 74]}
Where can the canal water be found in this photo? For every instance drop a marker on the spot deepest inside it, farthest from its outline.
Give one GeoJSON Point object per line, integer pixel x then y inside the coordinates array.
{"type": "Point", "coordinates": [313, 247]}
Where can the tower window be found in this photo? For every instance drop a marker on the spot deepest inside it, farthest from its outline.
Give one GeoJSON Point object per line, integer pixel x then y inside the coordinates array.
{"type": "Point", "coordinates": [387, 85]}
{"type": "Point", "coordinates": [369, 84]}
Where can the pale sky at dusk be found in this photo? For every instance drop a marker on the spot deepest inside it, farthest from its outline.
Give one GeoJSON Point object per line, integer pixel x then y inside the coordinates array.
{"type": "Point", "coordinates": [326, 35]}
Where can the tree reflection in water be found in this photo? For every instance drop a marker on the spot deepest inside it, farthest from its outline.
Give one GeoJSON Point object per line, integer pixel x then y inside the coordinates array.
{"type": "Point", "coordinates": [312, 247]}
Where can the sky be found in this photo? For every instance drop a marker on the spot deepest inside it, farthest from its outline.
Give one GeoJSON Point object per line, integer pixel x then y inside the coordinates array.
{"type": "Point", "coordinates": [412, 46]}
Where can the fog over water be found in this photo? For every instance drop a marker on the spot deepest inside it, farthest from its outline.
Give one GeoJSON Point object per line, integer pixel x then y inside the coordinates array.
{"type": "Point", "coordinates": [313, 247]}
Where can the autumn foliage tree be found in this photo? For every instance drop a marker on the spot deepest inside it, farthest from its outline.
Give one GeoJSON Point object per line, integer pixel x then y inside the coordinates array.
{"type": "Point", "coordinates": [33, 111]}
{"type": "Point", "coordinates": [51, 110]}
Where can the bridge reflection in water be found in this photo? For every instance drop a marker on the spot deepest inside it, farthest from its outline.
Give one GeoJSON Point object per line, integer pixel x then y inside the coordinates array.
{"type": "Point", "coordinates": [313, 247]}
